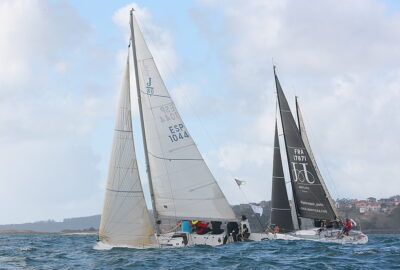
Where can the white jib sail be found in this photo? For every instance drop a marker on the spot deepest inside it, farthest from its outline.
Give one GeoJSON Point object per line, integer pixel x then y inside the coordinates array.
{"type": "Point", "coordinates": [125, 219]}
{"type": "Point", "coordinates": [184, 187]}
{"type": "Point", "coordinates": [304, 137]}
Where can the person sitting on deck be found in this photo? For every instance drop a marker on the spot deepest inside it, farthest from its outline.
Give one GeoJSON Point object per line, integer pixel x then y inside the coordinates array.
{"type": "Point", "coordinates": [244, 229]}
{"type": "Point", "coordinates": [276, 229]}
{"type": "Point", "coordinates": [202, 227]}
{"type": "Point", "coordinates": [216, 227]}
{"type": "Point", "coordinates": [347, 227]}
{"type": "Point", "coordinates": [232, 228]}
{"type": "Point", "coordinates": [185, 226]}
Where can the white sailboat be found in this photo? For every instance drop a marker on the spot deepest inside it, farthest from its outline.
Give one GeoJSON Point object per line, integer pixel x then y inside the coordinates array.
{"type": "Point", "coordinates": [181, 185]}
{"type": "Point", "coordinates": [311, 199]}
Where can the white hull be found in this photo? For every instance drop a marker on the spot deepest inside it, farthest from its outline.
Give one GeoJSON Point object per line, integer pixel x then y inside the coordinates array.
{"type": "Point", "coordinates": [175, 240]}
{"type": "Point", "coordinates": [330, 235]}
{"type": "Point", "coordinates": [182, 239]}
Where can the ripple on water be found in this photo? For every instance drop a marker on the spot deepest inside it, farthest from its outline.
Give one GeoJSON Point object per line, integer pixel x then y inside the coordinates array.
{"type": "Point", "coordinates": [76, 252]}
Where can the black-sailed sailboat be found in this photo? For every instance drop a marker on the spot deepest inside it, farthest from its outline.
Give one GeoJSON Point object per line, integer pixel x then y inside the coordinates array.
{"type": "Point", "coordinates": [314, 215]}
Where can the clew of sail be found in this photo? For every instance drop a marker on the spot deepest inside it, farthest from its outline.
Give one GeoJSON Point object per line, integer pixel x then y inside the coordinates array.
{"type": "Point", "coordinates": [304, 137]}
{"type": "Point", "coordinates": [310, 197]}
{"type": "Point", "coordinates": [183, 185]}
{"type": "Point", "coordinates": [125, 219]}
{"type": "Point", "coordinates": [280, 208]}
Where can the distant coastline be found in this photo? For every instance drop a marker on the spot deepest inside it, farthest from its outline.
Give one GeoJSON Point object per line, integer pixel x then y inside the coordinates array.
{"type": "Point", "coordinates": [371, 222]}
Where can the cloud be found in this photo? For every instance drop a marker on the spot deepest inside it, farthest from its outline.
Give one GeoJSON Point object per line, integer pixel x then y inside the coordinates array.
{"type": "Point", "coordinates": [47, 112]}
{"type": "Point", "coordinates": [340, 57]}
{"type": "Point", "coordinates": [30, 31]}
{"type": "Point", "coordinates": [158, 39]}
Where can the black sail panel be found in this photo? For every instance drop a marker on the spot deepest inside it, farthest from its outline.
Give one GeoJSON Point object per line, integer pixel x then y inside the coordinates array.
{"type": "Point", "coordinates": [310, 198]}
{"type": "Point", "coordinates": [280, 208]}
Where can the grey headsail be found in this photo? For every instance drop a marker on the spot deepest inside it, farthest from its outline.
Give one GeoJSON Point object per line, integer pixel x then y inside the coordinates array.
{"type": "Point", "coordinates": [280, 208]}
{"type": "Point", "coordinates": [310, 198]}
{"type": "Point", "coordinates": [306, 142]}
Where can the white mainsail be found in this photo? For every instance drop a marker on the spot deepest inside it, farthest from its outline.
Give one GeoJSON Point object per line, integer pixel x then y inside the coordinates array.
{"type": "Point", "coordinates": [304, 137]}
{"type": "Point", "coordinates": [183, 185]}
{"type": "Point", "coordinates": [125, 219]}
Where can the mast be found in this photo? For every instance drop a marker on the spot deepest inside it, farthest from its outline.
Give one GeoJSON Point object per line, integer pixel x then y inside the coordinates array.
{"type": "Point", "coordinates": [153, 203]}
{"type": "Point", "coordinates": [287, 153]}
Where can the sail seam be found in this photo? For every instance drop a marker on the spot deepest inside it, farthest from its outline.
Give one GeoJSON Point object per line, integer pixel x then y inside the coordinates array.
{"type": "Point", "coordinates": [176, 159]}
{"type": "Point", "coordinates": [121, 130]}
{"type": "Point", "coordinates": [124, 191]}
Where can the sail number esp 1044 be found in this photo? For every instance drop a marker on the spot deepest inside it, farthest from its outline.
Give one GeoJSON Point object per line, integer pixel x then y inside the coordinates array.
{"type": "Point", "coordinates": [177, 132]}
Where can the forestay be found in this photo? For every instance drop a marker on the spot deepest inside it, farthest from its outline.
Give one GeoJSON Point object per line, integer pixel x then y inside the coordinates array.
{"type": "Point", "coordinates": [310, 198]}
{"type": "Point", "coordinates": [125, 219]}
{"type": "Point", "coordinates": [183, 185]}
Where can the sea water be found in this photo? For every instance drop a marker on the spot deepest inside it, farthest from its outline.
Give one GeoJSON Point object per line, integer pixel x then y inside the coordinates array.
{"type": "Point", "coordinates": [54, 251]}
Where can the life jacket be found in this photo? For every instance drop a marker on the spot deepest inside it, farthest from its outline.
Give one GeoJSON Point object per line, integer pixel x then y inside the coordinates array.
{"type": "Point", "coordinates": [348, 225]}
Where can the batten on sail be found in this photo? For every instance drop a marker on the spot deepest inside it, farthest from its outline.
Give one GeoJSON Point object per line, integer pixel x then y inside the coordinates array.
{"type": "Point", "coordinates": [125, 219]}
{"type": "Point", "coordinates": [309, 196]}
{"type": "Point", "coordinates": [183, 186]}
{"type": "Point", "coordinates": [280, 209]}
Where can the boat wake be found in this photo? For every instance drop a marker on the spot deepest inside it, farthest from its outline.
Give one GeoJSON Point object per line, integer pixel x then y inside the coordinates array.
{"type": "Point", "coordinates": [102, 246]}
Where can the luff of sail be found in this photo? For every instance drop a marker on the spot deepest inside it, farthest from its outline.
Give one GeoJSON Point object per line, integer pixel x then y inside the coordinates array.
{"type": "Point", "coordinates": [280, 208]}
{"type": "Point", "coordinates": [304, 137]}
{"type": "Point", "coordinates": [183, 185]}
{"type": "Point", "coordinates": [310, 198]}
{"type": "Point", "coordinates": [125, 219]}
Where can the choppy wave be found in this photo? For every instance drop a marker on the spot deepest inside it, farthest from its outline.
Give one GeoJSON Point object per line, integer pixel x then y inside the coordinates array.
{"type": "Point", "coordinates": [52, 251]}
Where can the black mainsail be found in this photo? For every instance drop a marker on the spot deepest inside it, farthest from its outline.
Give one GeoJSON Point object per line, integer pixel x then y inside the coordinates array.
{"type": "Point", "coordinates": [310, 198]}
{"type": "Point", "coordinates": [280, 208]}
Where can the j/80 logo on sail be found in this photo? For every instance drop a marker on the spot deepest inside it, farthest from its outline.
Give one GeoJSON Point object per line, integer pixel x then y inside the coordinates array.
{"type": "Point", "coordinates": [301, 175]}
{"type": "Point", "coordinates": [149, 87]}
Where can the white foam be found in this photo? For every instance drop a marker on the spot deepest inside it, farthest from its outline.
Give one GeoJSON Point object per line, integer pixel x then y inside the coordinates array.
{"type": "Point", "coordinates": [104, 246]}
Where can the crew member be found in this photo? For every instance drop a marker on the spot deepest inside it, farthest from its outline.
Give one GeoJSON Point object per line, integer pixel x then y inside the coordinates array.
{"type": "Point", "coordinates": [276, 229]}
{"type": "Point", "coordinates": [232, 228]}
{"type": "Point", "coordinates": [202, 227]}
{"type": "Point", "coordinates": [347, 226]}
{"type": "Point", "coordinates": [185, 226]}
{"type": "Point", "coordinates": [244, 229]}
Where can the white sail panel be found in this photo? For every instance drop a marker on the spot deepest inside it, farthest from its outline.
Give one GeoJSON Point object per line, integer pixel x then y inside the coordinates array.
{"type": "Point", "coordinates": [183, 185]}
{"type": "Point", "coordinates": [307, 145]}
{"type": "Point", "coordinates": [125, 219]}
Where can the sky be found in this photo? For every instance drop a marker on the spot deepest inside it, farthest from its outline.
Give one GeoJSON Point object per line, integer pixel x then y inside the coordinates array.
{"type": "Point", "coordinates": [61, 65]}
